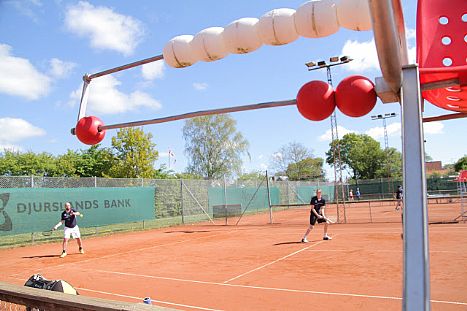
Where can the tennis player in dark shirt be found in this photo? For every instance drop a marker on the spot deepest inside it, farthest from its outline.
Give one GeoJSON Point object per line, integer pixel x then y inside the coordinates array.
{"type": "Point", "coordinates": [318, 205]}
{"type": "Point", "coordinates": [68, 218]}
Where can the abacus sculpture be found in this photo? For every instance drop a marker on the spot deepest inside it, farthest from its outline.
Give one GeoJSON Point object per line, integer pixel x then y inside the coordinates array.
{"type": "Point", "coordinates": [442, 76]}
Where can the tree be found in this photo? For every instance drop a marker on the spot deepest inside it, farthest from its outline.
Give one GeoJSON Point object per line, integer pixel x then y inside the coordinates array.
{"type": "Point", "coordinates": [306, 169]}
{"type": "Point", "coordinates": [213, 146]}
{"type": "Point", "coordinates": [14, 163]}
{"type": "Point", "coordinates": [297, 162]}
{"type": "Point", "coordinates": [461, 164]}
{"type": "Point", "coordinates": [364, 157]}
{"type": "Point", "coordinates": [135, 154]}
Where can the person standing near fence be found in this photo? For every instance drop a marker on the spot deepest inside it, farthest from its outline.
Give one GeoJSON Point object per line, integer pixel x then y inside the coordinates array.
{"type": "Point", "coordinates": [318, 205]}
{"type": "Point", "coordinates": [399, 196]}
{"type": "Point", "coordinates": [357, 193]}
{"type": "Point", "coordinates": [68, 218]}
{"type": "Point", "coordinates": [351, 195]}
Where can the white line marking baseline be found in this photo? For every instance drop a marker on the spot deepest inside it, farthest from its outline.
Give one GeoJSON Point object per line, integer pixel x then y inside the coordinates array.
{"type": "Point", "coordinates": [140, 299]}
{"type": "Point", "coordinates": [273, 288]}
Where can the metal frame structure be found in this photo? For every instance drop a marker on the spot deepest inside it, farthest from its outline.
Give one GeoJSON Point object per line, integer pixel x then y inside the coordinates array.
{"type": "Point", "coordinates": [336, 152]}
{"type": "Point", "coordinates": [400, 82]}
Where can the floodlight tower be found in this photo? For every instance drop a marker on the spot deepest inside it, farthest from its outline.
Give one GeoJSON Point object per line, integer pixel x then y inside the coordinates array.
{"type": "Point", "coordinates": [386, 143]}
{"type": "Point", "coordinates": [334, 61]}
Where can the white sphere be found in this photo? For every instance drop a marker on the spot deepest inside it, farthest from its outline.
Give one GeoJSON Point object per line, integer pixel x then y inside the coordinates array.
{"type": "Point", "coordinates": [208, 44]}
{"type": "Point", "coordinates": [354, 14]}
{"type": "Point", "coordinates": [277, 27]}
{"type": "Point", "coordinates": [178, 52]}
{"type": "Point", "coordinates": [315, 19]}
{"type": "Point", "coordinates": [241, 36]}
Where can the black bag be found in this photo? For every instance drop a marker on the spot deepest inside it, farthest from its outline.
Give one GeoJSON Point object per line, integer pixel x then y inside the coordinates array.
{"type": "Point", "coordinates": [38, 281]}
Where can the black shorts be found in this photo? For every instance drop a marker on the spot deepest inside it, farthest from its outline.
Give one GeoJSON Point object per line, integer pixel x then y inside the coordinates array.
{"type": "Point", "coordinates": [313, 219]}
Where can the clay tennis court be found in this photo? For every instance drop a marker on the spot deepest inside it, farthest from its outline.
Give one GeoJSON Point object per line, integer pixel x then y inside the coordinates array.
{"type": "Point", "coordinates": [254, 266]}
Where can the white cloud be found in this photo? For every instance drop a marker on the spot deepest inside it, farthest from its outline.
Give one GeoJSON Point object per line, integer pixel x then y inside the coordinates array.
{"type": "Point", "coordinates": [154, 70]}
{"type": "Point", "coordinates": [200, 86]}
{"type": "Point", "coordinates": [13, 130]}
{"type": "Point", "coordinates": [263, 166]}
{"type": "Point", "coordinates": [105, 28]}
{"type": "Point", "coordinates": [433, 127]}
{"type": "Point", "coordinates": [327, 136]}
{"type": "Point", "coordinates": [105, 98]}
{"type": "Point", "coordinates": [378, 132]}
{"type": "Point", "coordinates": [364, 55]}
{"type": "Point", "coordinates": [19, 77]}
{"type": "Point", "coordinates": [60, 69]}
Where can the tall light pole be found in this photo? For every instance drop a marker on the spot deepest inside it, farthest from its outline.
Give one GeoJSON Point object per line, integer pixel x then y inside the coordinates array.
{"type": "Point", "coordinates": [386, 144]}
{"type": "Point", "coordinates": [334, 61]}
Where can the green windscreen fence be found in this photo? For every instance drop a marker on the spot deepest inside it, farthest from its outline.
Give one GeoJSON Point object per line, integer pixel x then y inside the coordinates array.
{"type": "Point", "coordinates": [305, 193]}
{"type": "Point", "coordinates": [38, 209]}
{"type": "Point", "coordinates": [252, 198]}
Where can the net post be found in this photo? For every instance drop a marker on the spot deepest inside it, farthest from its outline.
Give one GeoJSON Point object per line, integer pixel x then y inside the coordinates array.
{"type": "Point", "coordinates": [181, 200]}
{"type": "Point", "coordinates": [269, 198]}
{"type": "Point", "coordinates": [225, 200]}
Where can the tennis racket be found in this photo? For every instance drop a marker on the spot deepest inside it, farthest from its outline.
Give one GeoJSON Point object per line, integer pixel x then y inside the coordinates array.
{"type": "Point", "coordinates": [47, 233]}
{"type": "Point", "coordinates": [331, 219]}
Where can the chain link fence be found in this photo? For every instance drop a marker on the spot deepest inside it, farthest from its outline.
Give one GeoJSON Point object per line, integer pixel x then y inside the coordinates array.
{"type": "Point", "coordinates": [188, 201]}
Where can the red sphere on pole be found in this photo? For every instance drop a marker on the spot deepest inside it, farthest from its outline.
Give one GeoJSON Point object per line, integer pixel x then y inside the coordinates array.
{"type": "Point", "coordinates": [316, 100]}
{"type": "Point", "coordinates": [355, 96]}
{"type": "Point", "coordinates": [87, 130]}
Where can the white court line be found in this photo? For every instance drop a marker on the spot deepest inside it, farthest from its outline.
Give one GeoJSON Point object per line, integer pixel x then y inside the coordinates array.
{"type": "Point", "coordinates": [140, 299]}
{"type": "Point", "coordinates": [118, 254]}
{"type": "Point", "coordinates": [378, 250]}
{"type": "Point", "coordinates": [272, 288]}
{"type": "Point", "coordinates": [273, 262]}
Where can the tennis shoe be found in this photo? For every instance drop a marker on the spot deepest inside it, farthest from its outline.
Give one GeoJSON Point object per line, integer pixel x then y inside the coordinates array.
{"type": "Point", "coordinates": [63, 254]}
{"type": "Point", "coordinates": [304, 240]}
{"type": "Point", "coordinates": [81, 250]}
{"type": "Point", "coordinates": [327, 237]}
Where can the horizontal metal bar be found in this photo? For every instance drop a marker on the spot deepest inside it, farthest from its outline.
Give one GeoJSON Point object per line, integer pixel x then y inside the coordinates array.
{"type": "Point", "coordinates": [123, 67]}
{"type": "Point", "coordinates": [200, 113]}
{"type": "Point", "coordinates": [446, 117]}
{"type": "Point", "coordinates": [439, 84]}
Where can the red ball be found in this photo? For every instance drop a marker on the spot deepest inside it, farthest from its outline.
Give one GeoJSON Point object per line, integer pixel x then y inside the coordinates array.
{"type": "Point", "coordinates": [316, 100]}
{"type": "Point", "coordinates": [87, 130]}
{"type": "Point", "coordinates": [355, 96]}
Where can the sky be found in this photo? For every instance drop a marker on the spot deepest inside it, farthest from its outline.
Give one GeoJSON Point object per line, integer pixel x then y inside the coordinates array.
{"type": "Point", "coordinates": [47, 46]}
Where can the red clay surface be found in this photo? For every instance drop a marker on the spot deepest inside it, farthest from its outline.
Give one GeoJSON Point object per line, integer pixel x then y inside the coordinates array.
{"type": "Point", "coordinates": [253, 266]}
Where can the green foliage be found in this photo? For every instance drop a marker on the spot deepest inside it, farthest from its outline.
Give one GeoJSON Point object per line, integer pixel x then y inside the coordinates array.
{"type": "Point", "coordinates": [14, 163]}
{"type": "Point", "coordinates": [297, 162]}
{"type": "Point", "coordinates": [306, 169]}
{"type": "Point", "coordinates": [257, 175]}
{"type": "Point", "coordinates": [134, 154]}
{"type": "Point", "coordinates": [461, 164]}
{"type": "Point", "coordinates": [213, 145]}
{"type": "Point", "coordinates": [364, 157]}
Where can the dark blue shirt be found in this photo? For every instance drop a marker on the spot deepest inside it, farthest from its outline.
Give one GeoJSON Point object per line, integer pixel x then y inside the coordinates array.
{"type": "Point", "coordinates": [317, 204]}
{"type": "Point", "coordinates": [70, 220]}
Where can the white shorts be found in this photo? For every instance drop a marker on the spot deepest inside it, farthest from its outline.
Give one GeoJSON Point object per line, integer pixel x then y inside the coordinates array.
{"type": "Point", "coordinates": [74, 232]}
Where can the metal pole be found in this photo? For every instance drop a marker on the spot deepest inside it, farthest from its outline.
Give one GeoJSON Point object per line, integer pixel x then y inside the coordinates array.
{"type": "Point", "coordinates": [127, 66]}
{"type": "Point", "coordinates": [225, 200]}
{"type": "Point", "coordinates": [269, 198]}
{"type": "Point", "coordinates": [201, 113]}
{"type": "Point", "coordinates": [181, 200]}
{"type": "Point", "coordinates": [416, 292]}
